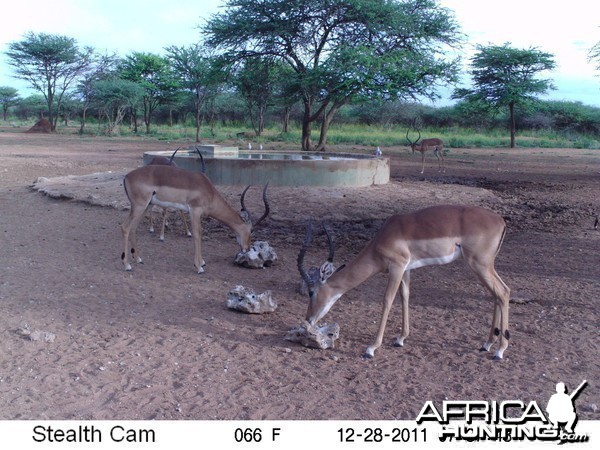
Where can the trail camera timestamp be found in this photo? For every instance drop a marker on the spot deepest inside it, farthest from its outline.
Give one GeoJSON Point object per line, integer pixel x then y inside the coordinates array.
{"type": "Point", "coordinates": [367, 435]}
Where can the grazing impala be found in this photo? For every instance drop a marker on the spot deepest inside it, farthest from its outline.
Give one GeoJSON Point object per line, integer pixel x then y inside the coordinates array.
{"type": "Point", "coordinates": [426, 144]}
{"type": "Point", "coordinates": [431, 236]}
{"type": "Point", "coordinates": [169, 186]}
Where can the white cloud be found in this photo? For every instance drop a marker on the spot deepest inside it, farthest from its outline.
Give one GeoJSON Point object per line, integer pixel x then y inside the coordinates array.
{"type": "Point", "coordinates": [567, 30]}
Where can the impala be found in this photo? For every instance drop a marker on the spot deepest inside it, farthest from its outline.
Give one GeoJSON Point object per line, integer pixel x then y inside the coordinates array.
{"type": "Point", "coordinates": [169, 186]}
{"type": "Point", "coordinates": [426, 144]}
{"type": "Point", "coordinates": [431, 236]}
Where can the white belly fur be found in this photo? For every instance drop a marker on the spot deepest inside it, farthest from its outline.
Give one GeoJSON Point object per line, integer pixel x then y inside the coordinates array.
{"type": "Point", "coordinates": [157, 202]}
{"type": "Point", "coordinates": [435, 261]}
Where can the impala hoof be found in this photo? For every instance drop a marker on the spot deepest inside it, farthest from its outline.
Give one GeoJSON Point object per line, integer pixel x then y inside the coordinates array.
{"type": "Point", "coordinates": [128, 268]}
{"type": "Point", "coordinates": [497, 358]}
{"type": "Point", "coordinates": [486, 347]}
{"type": "Point", "coordinates": [369, 353]}
{"type": "Point", "coordinates": [399, 342]}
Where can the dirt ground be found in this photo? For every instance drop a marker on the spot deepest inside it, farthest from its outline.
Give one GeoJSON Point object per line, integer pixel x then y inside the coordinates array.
{"type": "Point", "coordinates": [80, 338]}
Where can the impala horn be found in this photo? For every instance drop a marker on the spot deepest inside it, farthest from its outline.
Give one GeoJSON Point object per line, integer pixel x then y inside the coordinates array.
{"type": "Point", "coordinates": [173, 156]}
{"type": "Point", "coordinates": [201, 159]}
{"type": "Point", "coordinates": [411, 143]}
{"type": "Point", "coordinates": [246, 214]}
{"type": "Point", "coordinates": [303, 273]}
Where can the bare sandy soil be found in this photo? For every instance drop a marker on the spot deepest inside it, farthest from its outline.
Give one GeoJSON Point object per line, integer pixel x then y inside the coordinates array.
{"type": "Point", "coordinates": [80, 338]}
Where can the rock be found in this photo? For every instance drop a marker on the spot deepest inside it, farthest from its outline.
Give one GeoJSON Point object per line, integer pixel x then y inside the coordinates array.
{"type": "Point", "coordinates": [314, 336]}
{"type": "Point", "coordinates": [35, 335]}
{"type": "Point", "coordinates": [260, 255]}
{"type": "Point", "coordinates": [246, 300]}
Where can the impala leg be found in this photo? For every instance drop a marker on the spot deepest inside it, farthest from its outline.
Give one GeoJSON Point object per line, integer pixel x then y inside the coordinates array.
{"type": "Point", "coordinates": [422, 161]}
{"type": "Point", "coordinates": [440, 159]}
{"type": "Point", "coordinates": [128, 229]}
{"type": "Point", "coordinates": [183, 219]}
{"type": "Point", "coordinates": [150, 218]}
{"type": "Point", "coordinates": [404, 293]}
{"type": "Point", "coordinates": [495, 329]}
{"type": "Point", "coordinates": [161, 236]}
{"type": "Point", "coordinates": [394, 281]}
{"type": "Point", "coordinates": [441, 151]}
{"type": "Point", "coordinates": [197, 236]}
{"type": "Point", "coordinates": [501, 292]}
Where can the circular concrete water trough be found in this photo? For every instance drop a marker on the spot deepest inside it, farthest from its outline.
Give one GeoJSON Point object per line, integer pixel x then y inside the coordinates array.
{"type": "Point", "coordinates": [230, 166]}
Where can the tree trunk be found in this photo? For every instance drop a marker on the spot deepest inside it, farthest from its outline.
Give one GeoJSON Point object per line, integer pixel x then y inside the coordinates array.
{"type": "Point", "coordinates": [83, 118]}
{"type": "Point", "coordinates": [286, 119]}
{"type": "Point", "coordinates": [198, 122]}
{"type": "Point", "coordinates": [306, 125]}
{"type": "Point", "coordinates": [198, 101]}
{"type": "Point", "coordinates": [328, 117]}
{"type": "Point", "coordinates": [511, 107]}
{"type": "Point", "coordinates": [50, 101]}
{"type": "Point", "coordinates": [134, 121]}
{"type": "Point", "coordinates": [147, 113]}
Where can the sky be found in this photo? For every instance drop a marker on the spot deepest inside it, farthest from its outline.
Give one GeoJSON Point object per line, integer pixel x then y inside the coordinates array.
{"type": "Point", "coordinates": [566, 30]}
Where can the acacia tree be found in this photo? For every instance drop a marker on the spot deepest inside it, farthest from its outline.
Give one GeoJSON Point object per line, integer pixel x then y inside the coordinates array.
{"type": "Point", "coordinates": [114, 98]}
{"type": "Point", "coordinates": [342, 49]}
{"type": "Point", "coordinates": [195, 68]}
{"type": "Point", "coordinates": [8, 97]}
{"type": "Point", "coordinates": [50, 63]}
{"type": "Point", "coordinates": [256, 82]}
{"type": "Point", "coordinates": [102, 68]}
{"type": "Point", "coordinates": [506, 77]}
{"type": "Point", "coordinates": [153, 73]}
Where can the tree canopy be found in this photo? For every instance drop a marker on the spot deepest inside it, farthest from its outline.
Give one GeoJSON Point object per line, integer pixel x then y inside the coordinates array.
{"type": "Point", "coordinates": [50, 63]}
{"type": "Point", "coordinates": [504, 76]}
{"type": "Point", "coordinates": [196, 69]}
{"type": "Point", "coordinates": [8, 97]}
{"type": "Point", "coordinates": [341, 50]}
{"type": "Point", "coordinates": [154, 74]}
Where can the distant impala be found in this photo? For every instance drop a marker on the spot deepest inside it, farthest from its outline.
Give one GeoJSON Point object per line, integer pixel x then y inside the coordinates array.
{"type": "Point", "coordinates": [436, 144]}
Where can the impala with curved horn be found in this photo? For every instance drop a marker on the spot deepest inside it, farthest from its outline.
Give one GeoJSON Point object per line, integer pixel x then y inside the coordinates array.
{"type": "Point", "coordinates": [426, 144]}
{"type": "Point", "coordinates": [431, 236]}
{"type": "Point", "coordinates": [316, 274]}
{"type": "Point", "coordinates": [169, 186]}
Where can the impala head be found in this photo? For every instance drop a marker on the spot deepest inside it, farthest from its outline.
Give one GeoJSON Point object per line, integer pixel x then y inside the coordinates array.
{"type": "Point", "coordinates": [321, 296]}
{"type": "Point", "coordinates": [413, 145]}
{"type": "Point", "coordinates": [245, 238]}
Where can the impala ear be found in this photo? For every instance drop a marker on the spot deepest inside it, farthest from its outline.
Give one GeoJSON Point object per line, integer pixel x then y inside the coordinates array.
{"type": "Point", "coordinates": [325, 271]}
{"type": "Point", "coordinates": [245, 215]}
